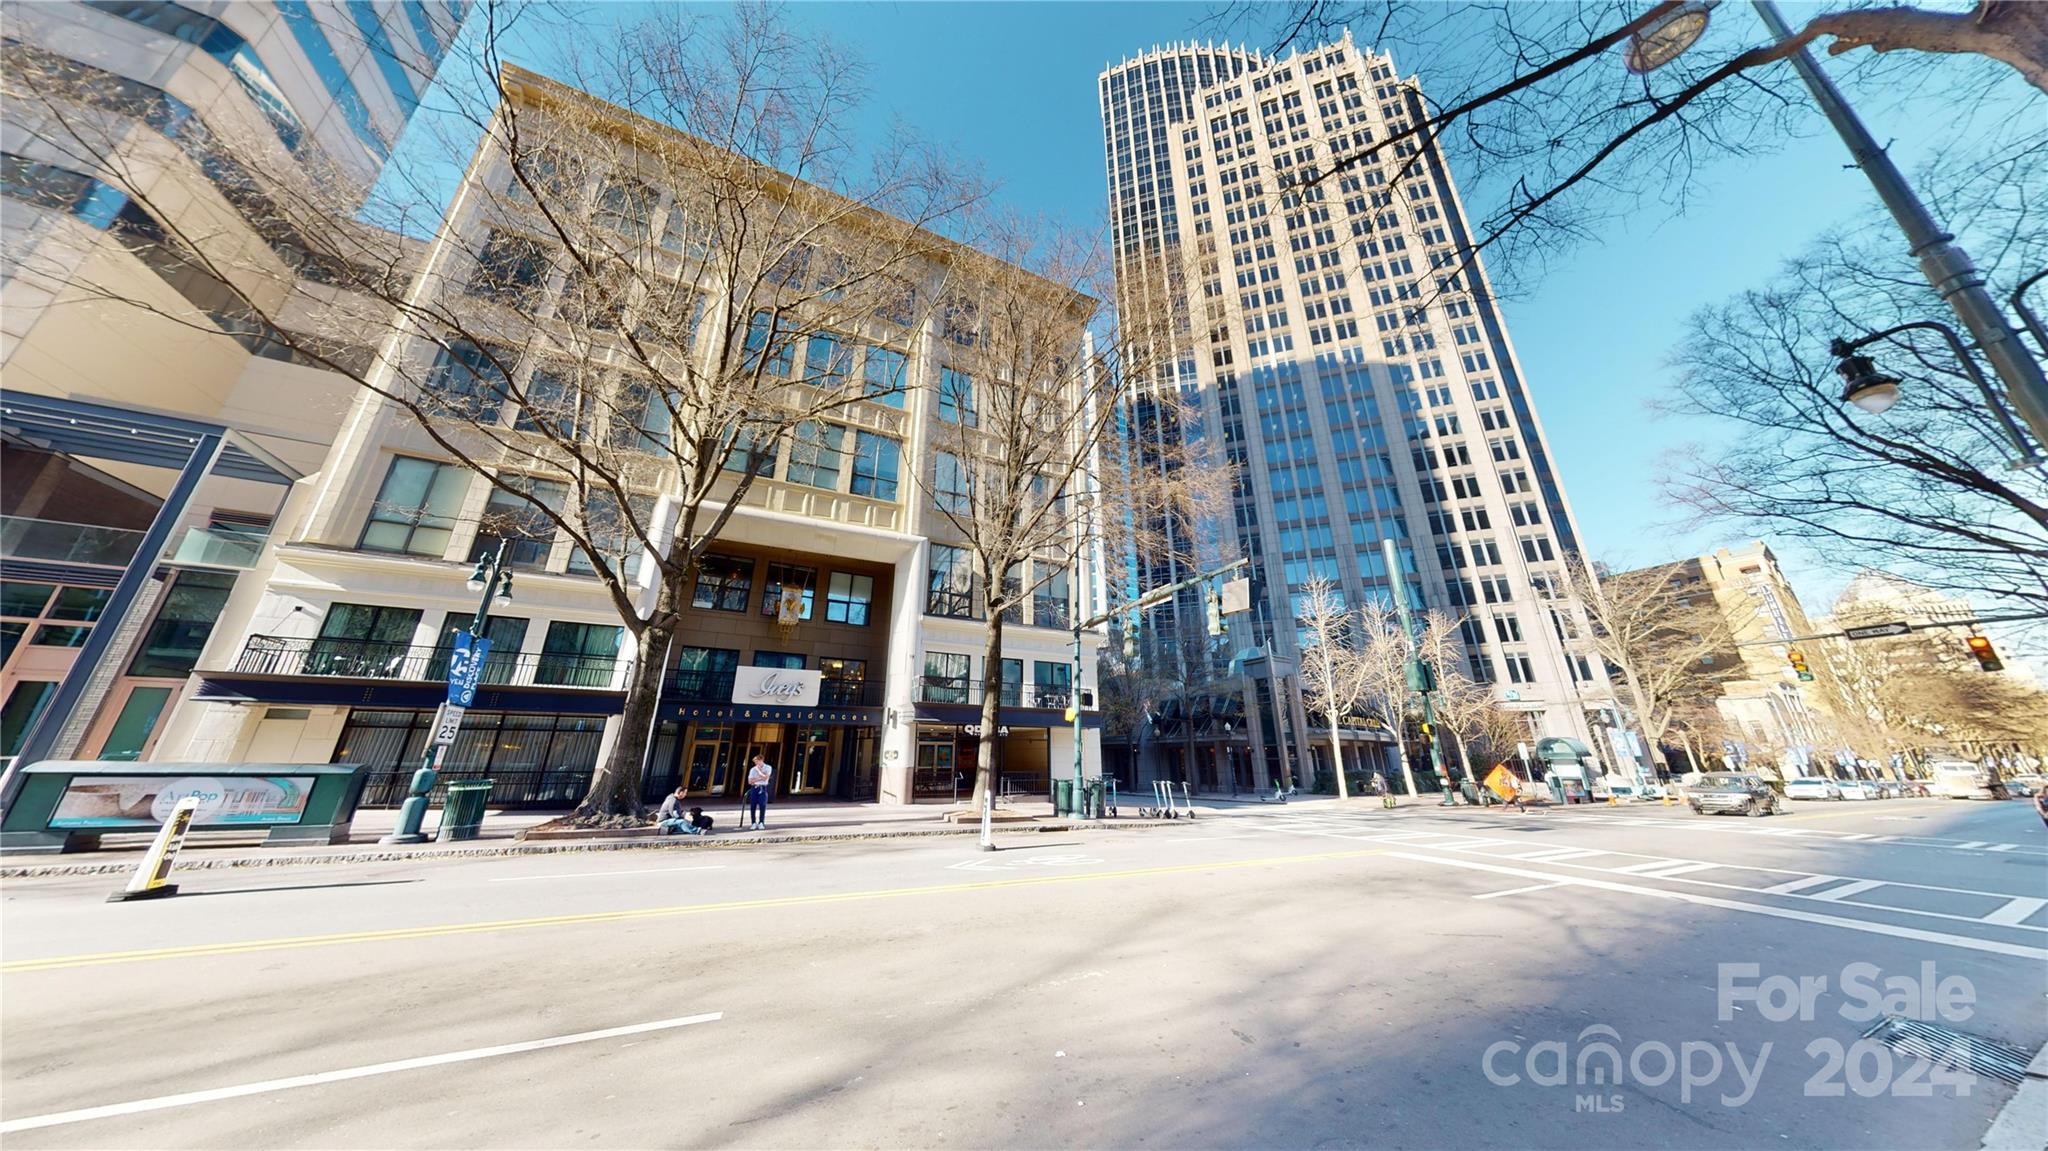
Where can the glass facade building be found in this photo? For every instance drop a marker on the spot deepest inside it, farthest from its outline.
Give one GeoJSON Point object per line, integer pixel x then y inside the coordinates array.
{"type": "Point", "coordinates": [1336, 341]}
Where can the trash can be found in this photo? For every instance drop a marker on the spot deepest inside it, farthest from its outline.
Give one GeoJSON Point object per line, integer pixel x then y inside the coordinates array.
{"type": "Point", "coordinates": [1092, 798]}
{"type": "Point", "coordinates": [1063, 797]}
{"type": "Point", "coordinates": [462, 814]}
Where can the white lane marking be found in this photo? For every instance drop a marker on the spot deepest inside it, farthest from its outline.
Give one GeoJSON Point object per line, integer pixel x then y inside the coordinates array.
{"type": "Point", "coordinates": [1853, 835]}
{"type": "Point", "coordinates": [1973, 844]}
{"type": "Point", "coordinates": [1651, 865]}
{"type": "Point", "coordinates": [1519, 890]}
{"type": "Point", "coordinates": [1882, 838]}
{"type": "Point", "coordinates": [1847, 889]}
{"type": "Point", "coordinates": [161, 1102]}
{"type": "Point", "coordinates": [606, 874]}
{"type": "Point", "coordinates": [2018, 909]}
{"type": "Point", "coordinates": [1799, 884]}
{"type": "Point", "coordinates": [2003, 847]}
{"type": "Point", "coordinates": [1551, 854]}
{"type": "Point", "coordinates": [1681, 869]}
{"type": "Point", "coordinates": [1873, 928]}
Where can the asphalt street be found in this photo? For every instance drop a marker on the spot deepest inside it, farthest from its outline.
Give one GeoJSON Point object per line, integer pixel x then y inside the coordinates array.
{"type": "Point", "coordinates": [1309, 975]}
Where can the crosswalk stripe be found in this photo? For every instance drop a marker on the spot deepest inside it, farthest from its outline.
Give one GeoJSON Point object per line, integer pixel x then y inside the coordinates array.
{"type": "Point", "coordinates": [1652, 865]}
{"type": "Point", "coordinates": [1681, 869]}
{"type": "Point", "coordinates": [1848, 889]}
{"type": "Point", "coordinates": [2018, 909]}
{"type": "Point", "coordinates": [1974, 844]}
{"type": "Point", "coordinates": [1800, 884]}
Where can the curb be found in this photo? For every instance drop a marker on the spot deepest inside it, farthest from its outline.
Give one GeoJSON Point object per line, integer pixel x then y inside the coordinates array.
{"type": "Point", "coordinates": [669, 843]}
{"type": "Point", "coordinates": [2022, 1122]}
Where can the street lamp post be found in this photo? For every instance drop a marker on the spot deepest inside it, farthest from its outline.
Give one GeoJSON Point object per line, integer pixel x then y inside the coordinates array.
{"type": "Point", "coordinates": [494, 580]}
{"type": "Point", "coordinates": [1947, 267]}
{"type": "Point", "coordinates": [1421, 679]}
{"type": "Point", "coordinates": [1875, 392]}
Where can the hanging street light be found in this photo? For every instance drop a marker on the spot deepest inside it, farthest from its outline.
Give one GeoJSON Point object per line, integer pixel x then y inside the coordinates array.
{"type": "Point", "coordinates": [1665, 39]}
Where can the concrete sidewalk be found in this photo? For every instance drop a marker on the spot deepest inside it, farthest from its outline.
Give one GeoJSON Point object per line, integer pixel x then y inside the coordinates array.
{"type": "Point", "coordinates": [788, 822]}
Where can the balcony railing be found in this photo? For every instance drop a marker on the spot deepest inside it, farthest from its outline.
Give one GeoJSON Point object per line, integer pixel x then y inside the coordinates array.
{"type": "Point", "coordinates": [61, 542]}
{"type": "Point", "coordinates": [958, 689]}
{"type": "Point", "coordinates": [372, 659]}
{"type": "Point", "coordinates": [219, 547]}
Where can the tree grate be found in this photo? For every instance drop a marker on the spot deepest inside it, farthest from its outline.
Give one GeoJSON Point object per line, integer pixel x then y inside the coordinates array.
{"type": "Point", "coordinates": [1949, 1049]}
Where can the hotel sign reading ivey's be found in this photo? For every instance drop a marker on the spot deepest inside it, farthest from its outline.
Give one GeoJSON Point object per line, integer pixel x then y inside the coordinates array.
{"type": "Point", "coordinates": [776, 686]}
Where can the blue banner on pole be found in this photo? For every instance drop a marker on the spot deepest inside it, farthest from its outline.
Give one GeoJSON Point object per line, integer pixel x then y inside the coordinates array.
{"type": "Point", "coordinates": [466, 668]}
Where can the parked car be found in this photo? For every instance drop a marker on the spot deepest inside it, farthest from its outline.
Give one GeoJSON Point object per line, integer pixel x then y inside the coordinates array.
{"type": "Point", "coordinates": [1858, 789]}
{"type": "Point", "coordinates": [1812, 787]}
{"type": "Point", "coordinates": [2024, 788]}
{"type": "Point", "coordinates": [1724, 793]}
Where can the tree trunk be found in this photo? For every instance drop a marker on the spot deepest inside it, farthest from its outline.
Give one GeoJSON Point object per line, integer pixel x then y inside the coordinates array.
{"type": "Point", "coordinates": [615, 787]}
{"type": "Point", "coordinates": [1401, 750]}
{"type": "Point", "coordinates": [985, 779]}
{"type": "Point", "coordinates": [1635, 691]}
{"type": "Point", "coordinates": [2013, 32]}
{"type": "Point", "coordinates": [1337, 759]}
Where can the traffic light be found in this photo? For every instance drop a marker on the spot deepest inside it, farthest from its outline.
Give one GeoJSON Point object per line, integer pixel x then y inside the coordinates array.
{"type": "Point", "coordinates": [1987, 658]}
{"type": "Point", "coordinates": [1421, 678]}
{"type": "Point", "coordinates": [1799, 663]}
{"type": "Point", "coordinates": [1213, 604]}
{"type": "Point", "coordinates": [1131, 638]}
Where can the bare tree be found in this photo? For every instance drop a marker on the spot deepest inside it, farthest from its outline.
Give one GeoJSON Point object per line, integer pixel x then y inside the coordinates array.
{"type": "Point", "coordinates": [1928, 485]}
{"type": "Point", "coordinates": [1028, 403]}
{"type": "Point", "coordinates": [1331, 670]}
{"type": "Point", "coordinates": [1384, 651]}
{"type": "Point", "coordinates": [1658, 635]}
{"type": "Point", "coordinates": [638, 298]}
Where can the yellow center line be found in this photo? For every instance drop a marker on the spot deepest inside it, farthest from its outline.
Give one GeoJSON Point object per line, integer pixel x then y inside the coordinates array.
{"type": "Point", "coordinates": [103, 958]}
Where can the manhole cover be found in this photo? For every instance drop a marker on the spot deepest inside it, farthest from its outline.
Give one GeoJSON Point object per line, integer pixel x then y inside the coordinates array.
{"type": "Point", "coordinates": [1949, 1049]}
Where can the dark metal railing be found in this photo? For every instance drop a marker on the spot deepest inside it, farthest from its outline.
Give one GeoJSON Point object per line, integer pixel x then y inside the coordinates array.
{"type": "Point", "coordinates": [375, 659]}
{"type": "Point", "coordinates": [960, 689]}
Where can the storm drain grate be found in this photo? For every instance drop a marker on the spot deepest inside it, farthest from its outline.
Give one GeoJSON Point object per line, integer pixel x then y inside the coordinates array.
{"type": "Point", "coordinates": [1949, 1049]}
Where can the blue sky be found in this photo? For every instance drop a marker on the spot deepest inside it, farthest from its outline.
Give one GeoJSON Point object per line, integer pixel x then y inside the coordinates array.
{"type": "Point", "coordinates": [1012, 85]}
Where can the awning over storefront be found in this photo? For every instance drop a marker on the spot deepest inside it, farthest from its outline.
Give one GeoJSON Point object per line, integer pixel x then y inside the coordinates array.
{"type": "Point", "coordinates": [751, 713]}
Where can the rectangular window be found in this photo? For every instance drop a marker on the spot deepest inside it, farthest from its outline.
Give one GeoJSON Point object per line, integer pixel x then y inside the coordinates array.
{"type": "Point", "coordinates": [416, 508]}
{"type": "Point", "coordinates": [611, 531]}
{"type": "Point", "coordinates": [883, 372]}
{"type": "Point", "coordinates": [24, 704]}
{"type": "Point", "coordinates": [724, 583]}
{"type": "Point", "coordinates": [876, 460]}
{"type": "Point", "coordinates": [788, 575]}
{"type": "Point", "coordinates": [956, 397]}
{"type": "Point", "coordinates": [171, 647]}
{"type": "Point", "coordinates": [519, 518]}
{"type": "Point", "coordinates": [787, 661]}
{"type": "Point", "coordinates": [847, 598]}
{"type": "Point", "coordinates": [1053, 684]}
{"type": "Point", "coordinates": [578, 654]}
{"type": "Point", "coordinates": [468, 382]}
{"type": "Point", "coordinates": [952, 486]}
{"type": "Point", "coordinates": [511, 269]}
{"type": "Point", "coordinates": [750, 446]}
{"type": "Point", "coordinates": [843, 681]}
{"type": "Point", "coordinates": [1011, 693]}
{"type": "Point", "coordinates": [625, 205]}
{"type": "Point", "coordinates": [814, 455]}
{"type": "Point", "coordinates": [945, 677]}
{"type": "Point", "coordinates": [950, 591]}
{"type": "Point", "coordinates": [706, 673]}
{"type": "Point", "coordinates": [552, 404]}
{"type": "Point", "coordinates": [363, 640]}
{"type": "Point", "coordinates": [1050, 603]}
{"type": "Point", "coordinates": [766, 333]}
{"type": "Point", "coordinates": [827, 361]}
